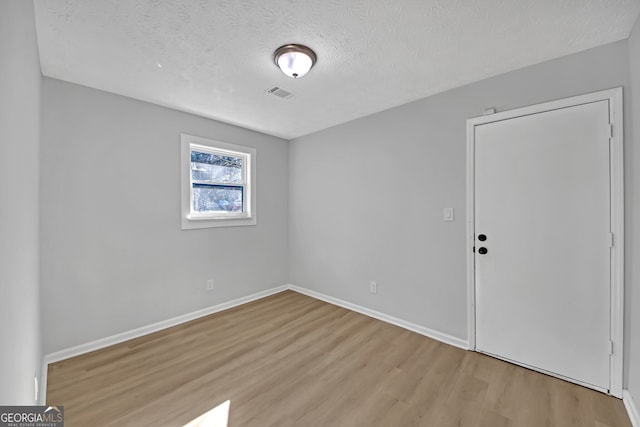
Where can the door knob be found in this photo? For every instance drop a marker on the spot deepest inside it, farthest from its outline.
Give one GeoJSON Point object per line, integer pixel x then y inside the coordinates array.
{"type": "Point", "coordinates": [482, 251]}
{"type": "Point", "coordinates": [482, 237]}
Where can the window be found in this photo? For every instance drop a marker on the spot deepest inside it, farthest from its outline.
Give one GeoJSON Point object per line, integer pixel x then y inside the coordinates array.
{"type": "Point", "coordinates": [217, 183]}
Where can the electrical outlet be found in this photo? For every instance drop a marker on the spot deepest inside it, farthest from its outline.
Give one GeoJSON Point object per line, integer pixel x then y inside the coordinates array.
{"type": "Point", "coordinates": [210, 286]}
{"type": "Point", "coordinates": [373, 287]}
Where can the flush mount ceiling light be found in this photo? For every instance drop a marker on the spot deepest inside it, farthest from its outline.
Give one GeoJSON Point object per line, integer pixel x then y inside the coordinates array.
{"type": "Point", "coordinates": [294, 60]}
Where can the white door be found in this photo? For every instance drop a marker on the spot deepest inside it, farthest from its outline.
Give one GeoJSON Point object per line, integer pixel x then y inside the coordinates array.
{"type": "Point", "coordinates": [542, 199]}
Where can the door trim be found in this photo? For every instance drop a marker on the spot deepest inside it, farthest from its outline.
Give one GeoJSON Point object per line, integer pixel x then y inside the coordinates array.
{"type": "Point", "coordinates": [614, 97]}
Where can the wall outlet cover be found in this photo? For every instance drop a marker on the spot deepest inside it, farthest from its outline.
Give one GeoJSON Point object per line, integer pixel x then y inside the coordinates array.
{"type": "Point", "coordinates": [373, 287]}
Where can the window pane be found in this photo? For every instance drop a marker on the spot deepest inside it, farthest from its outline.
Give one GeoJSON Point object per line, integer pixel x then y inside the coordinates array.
{"type": "Point", "coordinates": [217, 198]}
{"type": "Point", "coordinates": [216, 168]}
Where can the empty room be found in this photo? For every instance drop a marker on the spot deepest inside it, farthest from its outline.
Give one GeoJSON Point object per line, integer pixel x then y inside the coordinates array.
{"type": "Point", "coordinates": [340, 213]}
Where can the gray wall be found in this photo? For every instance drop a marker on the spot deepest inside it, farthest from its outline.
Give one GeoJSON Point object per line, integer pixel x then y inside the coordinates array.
{"type": "Point", "coordinates": [633, 220]}
{"type": "Point", "coordinates": [365, 204]}
{"type": "Point", "coordinates": [114, 256]}
{"type": "Point", "coordinates": [20, 336]}
{"type": "Point", "coordinates": [367, 196]}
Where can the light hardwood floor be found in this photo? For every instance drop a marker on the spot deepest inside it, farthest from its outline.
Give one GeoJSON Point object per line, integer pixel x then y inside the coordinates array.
{"type": "Point", "coordinates": [291, 360]}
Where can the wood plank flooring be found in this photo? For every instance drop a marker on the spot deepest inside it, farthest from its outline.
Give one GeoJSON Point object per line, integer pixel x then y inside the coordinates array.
{"type": "Point", "coordinates": [291, 360]}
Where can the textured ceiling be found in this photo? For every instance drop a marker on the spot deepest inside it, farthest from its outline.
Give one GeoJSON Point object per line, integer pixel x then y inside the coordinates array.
{"type": "Point", "coordinates": [214, 57]}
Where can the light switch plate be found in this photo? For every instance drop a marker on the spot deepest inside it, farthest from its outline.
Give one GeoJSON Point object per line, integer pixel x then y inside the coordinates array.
{"type": "Point", "coordinates": [448, 214]}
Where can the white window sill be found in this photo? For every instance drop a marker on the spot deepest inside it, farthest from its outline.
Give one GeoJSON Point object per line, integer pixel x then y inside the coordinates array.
{"type": "Point", "coordinates": [189, 223]}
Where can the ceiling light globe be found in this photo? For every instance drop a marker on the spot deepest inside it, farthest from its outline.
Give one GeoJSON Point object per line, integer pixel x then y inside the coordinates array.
{"type": "Point", "coordinates": [295, 60]}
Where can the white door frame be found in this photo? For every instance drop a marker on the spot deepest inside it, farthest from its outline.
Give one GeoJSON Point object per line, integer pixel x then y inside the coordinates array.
{"type": "Point", "coordinates": [614, 96]}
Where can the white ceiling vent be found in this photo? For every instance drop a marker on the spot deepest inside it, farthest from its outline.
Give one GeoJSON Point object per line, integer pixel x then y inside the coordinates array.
{"type": "Point", "coordinates": [279, 92]}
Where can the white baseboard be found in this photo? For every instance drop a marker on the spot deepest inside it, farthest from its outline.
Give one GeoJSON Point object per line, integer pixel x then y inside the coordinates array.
{"type": "Point", "coordinates": [632, 409]}
{"type": "Point", "coordinates": [144, 330]}
{"type": "Point", "coordinates": [155, 327]}
{"type": "Point", "coordinates": [138, 332]}
{"type": "Point", "coordinates": [42, 396]}
{"type": "Point", "coordinates": [439, 336]}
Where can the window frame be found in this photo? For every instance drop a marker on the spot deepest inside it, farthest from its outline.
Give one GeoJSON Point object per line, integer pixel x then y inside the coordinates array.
{"type": "Point", "coordinates": [193, 220]}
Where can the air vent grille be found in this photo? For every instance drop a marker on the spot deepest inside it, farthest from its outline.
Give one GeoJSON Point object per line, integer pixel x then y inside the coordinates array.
{"type": "Point", "coordinates": [279, 92]}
